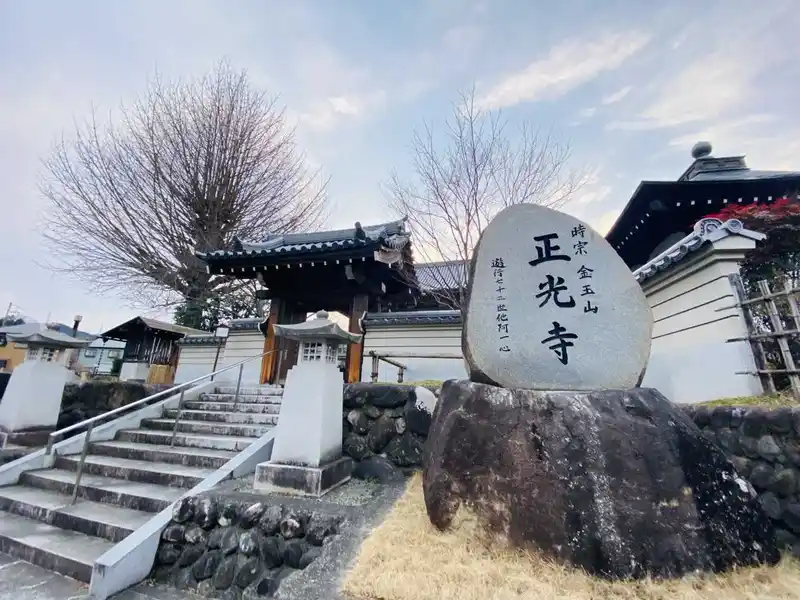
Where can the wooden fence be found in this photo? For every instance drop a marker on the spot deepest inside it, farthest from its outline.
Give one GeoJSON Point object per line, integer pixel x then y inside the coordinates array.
{"type": "Point", "coordinates": [773, 326]}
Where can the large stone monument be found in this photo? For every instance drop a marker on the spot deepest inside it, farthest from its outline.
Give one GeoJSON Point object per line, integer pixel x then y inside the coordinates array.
{"type": "Point", "coordinates": [552, 444]}
{"type": "Point", "coordinates": [307, 455]}
{"type": "Point", "coordinates": [32, 400]}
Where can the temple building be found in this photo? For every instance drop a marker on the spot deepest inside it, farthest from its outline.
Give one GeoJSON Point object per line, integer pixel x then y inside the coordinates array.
{"type": "Point", "coordinates": [660, 213]}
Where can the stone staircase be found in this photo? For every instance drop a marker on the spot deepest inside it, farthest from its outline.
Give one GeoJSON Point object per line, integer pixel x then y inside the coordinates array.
{"type": "Point", "coordinates": [127, 480]}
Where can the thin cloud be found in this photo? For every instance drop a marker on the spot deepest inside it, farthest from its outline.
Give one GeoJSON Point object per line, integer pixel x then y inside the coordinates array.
{"type": "Point", "coordinates": [566, 67]}
{"type": "Point", "coordinates": [617, 96]}
{"type": "Point", "coordinates": [714, 86]}
{"type": "Point", "coordinates": [325, 115]}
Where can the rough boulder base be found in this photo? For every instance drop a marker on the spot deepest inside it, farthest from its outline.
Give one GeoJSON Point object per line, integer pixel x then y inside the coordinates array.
{"type": "Point", "coordinates": [552, 306]}
{"type": "Point", "coordinates": [619, 482]}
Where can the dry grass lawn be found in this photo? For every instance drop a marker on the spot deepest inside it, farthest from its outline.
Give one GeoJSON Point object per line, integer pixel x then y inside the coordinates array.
{"type": "Point", "coordinates": [406, 558]}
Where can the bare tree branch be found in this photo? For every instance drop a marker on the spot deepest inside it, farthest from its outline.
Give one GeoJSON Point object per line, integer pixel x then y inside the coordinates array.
{"type": "Point", "coordinates": [463, 177]}
{"type": "Point", "coordinates": [187, 166]}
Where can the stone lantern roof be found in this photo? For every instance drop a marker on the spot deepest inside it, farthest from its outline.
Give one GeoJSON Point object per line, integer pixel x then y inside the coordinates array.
{"type": "Point", "coordinates": [47, 338]}
{"type": "Point", "coordinates": [316, 329]}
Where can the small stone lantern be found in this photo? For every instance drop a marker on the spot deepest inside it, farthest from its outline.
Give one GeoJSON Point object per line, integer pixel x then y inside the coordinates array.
{"type": "Point", "coordinates": [307, 453]}
{"type": "Point", "coordinates": [32, 400]}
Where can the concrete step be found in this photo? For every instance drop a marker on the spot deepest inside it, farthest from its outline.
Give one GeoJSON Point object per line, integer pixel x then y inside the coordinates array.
{"type": "Point", "coordinates": [254, 399]}
{"type": "Point", "coordinates": [186, 440]}
{"type": "Point", "coordinates": [91, 518]}
{"type": "Point", "coordinates": [143, 471]}
{"type": "Point", "coordinates": [128, 494]}
{"type": "Point", "coordinates": [67, 552]}
{"type": "Point", "coordinates": [252, 390]}
{"type": "Point", "coordinates": [268, 408]}
{"type": "Point", "coordinates": [177, 455]}
{"type": "Point", "coordinates": [12, 452]}
{"type": "Point", "coordinates": [224, 417]}
{"type": "Point", "coordinates": [224, 429]}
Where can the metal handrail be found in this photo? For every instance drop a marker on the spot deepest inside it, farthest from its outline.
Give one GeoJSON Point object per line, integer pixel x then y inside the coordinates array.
{"type": "Point", "coordinates": [376, 358]}
{"type": "Point", "coordinates": [90, 423]}
{"type": "Point", "coordinates": [401, 368]}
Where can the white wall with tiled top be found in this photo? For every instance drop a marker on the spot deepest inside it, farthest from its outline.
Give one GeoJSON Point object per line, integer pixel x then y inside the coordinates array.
{"type": "Point", "coordinates": [196, 360]}
{"type": "Point", "coordinates": [240, 345]}
{"type": "Point", "coordinates": [694, 314]}
{"type": "Point", "coordinates": [414, 339]}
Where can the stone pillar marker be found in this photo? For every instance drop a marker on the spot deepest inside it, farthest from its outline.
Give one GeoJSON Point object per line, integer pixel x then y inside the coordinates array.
{"type": "Point", "coordinates": [553, 443]}
{"type": "Point", "coordinates": [307, 453]}
{"type": "Point", "coordinates": [32, 400]}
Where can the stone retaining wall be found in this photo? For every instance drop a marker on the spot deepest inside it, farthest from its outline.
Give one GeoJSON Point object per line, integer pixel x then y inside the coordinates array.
{"type": "Point", "coordinates": [88, 399]}
{"type": "Point", "coordinates": [764, 445]}
{"type": "Point", "coordinates": [216, 547]}
{"type": "Point", "coordinates": [387, 420]}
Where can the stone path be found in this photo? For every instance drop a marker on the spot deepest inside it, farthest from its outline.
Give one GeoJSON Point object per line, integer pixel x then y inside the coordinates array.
{"type": "Point", "coordinates": [23, 581]}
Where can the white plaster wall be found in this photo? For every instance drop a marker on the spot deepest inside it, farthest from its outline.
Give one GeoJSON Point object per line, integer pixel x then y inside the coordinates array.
{"type": "Point", "coordinates": [239, 346]}
{"type": "Point", "coordinates": [195, 361]}
{"type": "Point", "coordinates": [691, 360]}
{"type": "Point", "coordinates": [134, 370]}
{"type": "Point", "coordinates": [101, 361]}
{"type": "Point", "coordinates": [415, 339]}
{"type": "Point", "coordinates": [33, 395]}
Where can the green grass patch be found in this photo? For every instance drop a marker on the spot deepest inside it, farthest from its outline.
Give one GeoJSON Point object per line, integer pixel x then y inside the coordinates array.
{"type": "Point", "coordinates": [767, 400]}
{"type": "Point", "coordinates": [432, 384]}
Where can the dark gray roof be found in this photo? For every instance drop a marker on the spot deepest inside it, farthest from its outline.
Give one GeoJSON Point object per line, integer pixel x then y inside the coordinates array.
{"type": "Point", "coordinates": [413, 317]}
{"type": "Point", "coordinates": [727, 168]}
{"type": "Point", "coordinates": [201, 340]}
{"type": "Point", "coordinates": [392, 234]}
{"type": "Point", "coordinates": [123, 330]}
{"type": "Point", "coordinates": [444, 275]}
{"type": "Point", "coordinates": [705, 231]}
{"type": "Point", "coordinates": [250, 324]}
{"type": "Point", "coordinates": [27, 328]}
{"type": "Point", "coordinates": [48, 337]}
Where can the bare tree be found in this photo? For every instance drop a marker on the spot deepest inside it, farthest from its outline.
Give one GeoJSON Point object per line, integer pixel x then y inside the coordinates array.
{"type": "Point", "coordinates": [461, 179]}
{"type": "Point", "coordinates": [185, 168]}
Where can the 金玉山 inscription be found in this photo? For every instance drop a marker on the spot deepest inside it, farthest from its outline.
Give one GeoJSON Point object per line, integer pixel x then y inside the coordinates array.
{"type": "Point", "coordinates": [552, 306]}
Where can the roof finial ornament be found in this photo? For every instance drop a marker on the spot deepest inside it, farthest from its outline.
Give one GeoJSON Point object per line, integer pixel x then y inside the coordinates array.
{"type": "Point", "coordinates": [701, 150]}
{"type": "Point", "coordinates": [360, 234]}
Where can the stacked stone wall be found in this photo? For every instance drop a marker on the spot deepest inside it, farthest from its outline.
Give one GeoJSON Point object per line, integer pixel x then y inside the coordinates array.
{"type": "Point", "coordinates": [764, 446]}
{"type": "Point", "coordinates": [391, 421]}
{"type": "Point", "coordinates": [88, 399]}
{"type": "Point", "coordinates": [217, 547]}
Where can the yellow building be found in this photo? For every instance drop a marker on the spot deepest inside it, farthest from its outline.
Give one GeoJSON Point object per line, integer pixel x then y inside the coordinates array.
{"type": "Point", "coordinates": [10, 354]}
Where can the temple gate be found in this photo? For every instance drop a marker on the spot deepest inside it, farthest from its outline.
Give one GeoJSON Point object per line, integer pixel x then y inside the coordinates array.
{"type": "Point", "coordinates": [350, 271]}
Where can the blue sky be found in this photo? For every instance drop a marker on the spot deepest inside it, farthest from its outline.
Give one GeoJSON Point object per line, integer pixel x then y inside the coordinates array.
{"type": "Point", "coordinates": [632, 85]}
